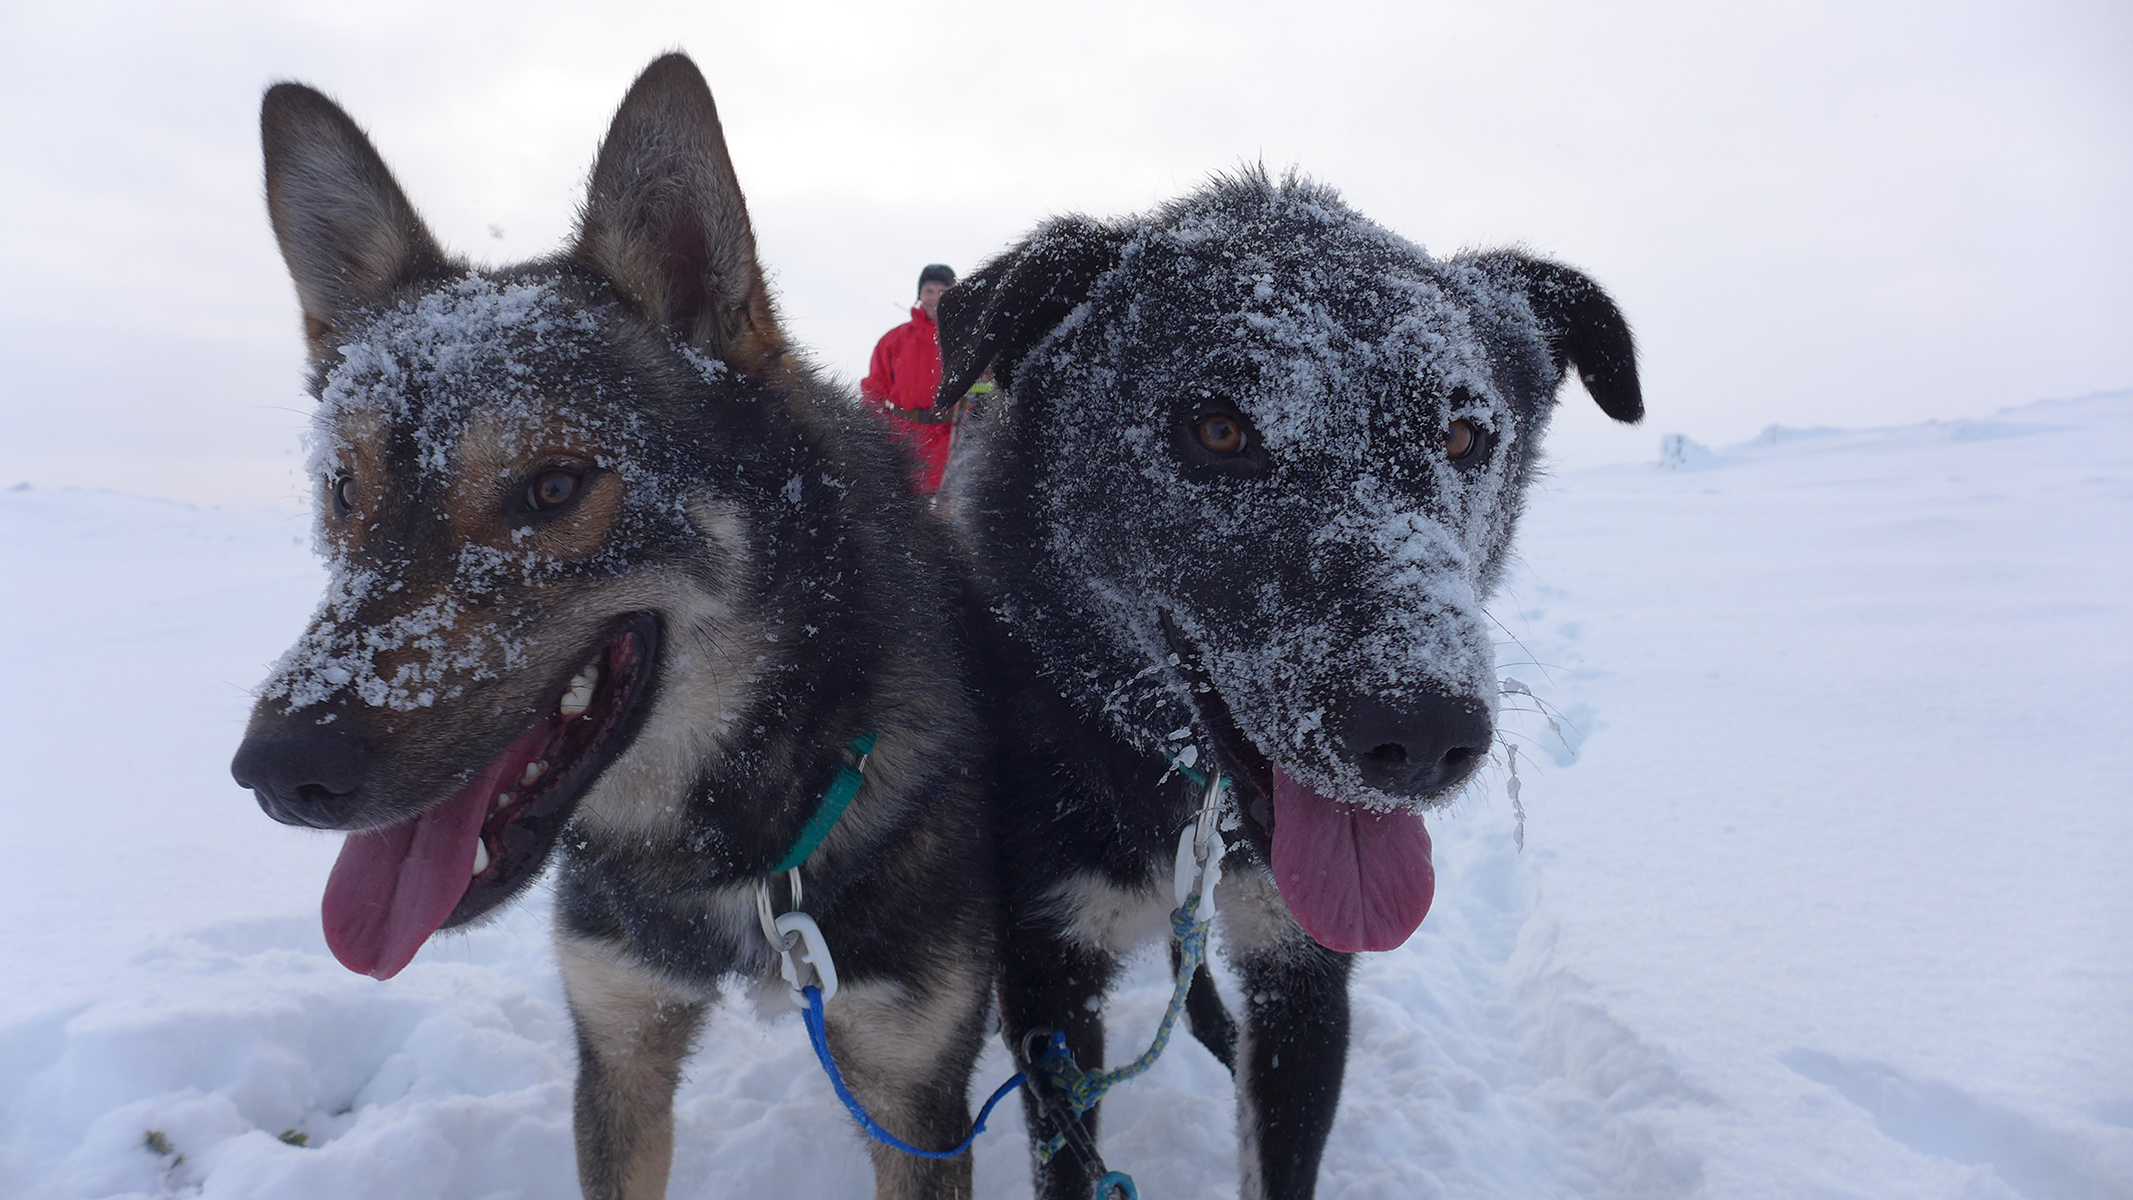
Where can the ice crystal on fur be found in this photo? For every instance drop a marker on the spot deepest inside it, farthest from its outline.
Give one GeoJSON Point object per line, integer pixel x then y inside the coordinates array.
{"type": "Point", "coordinates": [1511, 789]}
{"type": "Point", "coordinates": [427, 364]}
{"type": "Point", "coordinates": [446, 369]}
{"type": "Point", "coordinates": [442, 651]}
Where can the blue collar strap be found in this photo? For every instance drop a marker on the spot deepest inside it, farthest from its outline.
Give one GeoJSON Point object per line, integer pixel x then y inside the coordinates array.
{"type": "Point", "coordinates": [851, 774]}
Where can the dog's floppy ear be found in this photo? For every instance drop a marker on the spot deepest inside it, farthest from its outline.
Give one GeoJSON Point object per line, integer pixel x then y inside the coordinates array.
{"type": "Point", "coordinates": [995, 316]}
{"type": "Point", "coordinates": [346, 229]}
{"type": "Point", "coordinates": [1583, 327]}
{"type": "Point", "coordinates": [665, 221]}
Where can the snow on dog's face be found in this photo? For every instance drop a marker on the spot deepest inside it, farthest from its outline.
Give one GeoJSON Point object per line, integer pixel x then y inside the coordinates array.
{"type": "Point", "coordinates": [540, 494]}
{"type": "Point", "coordinates": [1257, 468]}
{"type": "Point", "coordinates": [516, 522]}
{"type": "Point", "coordinates": [457, 461]}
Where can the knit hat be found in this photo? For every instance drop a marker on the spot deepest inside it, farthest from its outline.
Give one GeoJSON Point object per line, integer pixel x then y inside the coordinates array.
{"type": "Point", "coordinates": [940, 273]}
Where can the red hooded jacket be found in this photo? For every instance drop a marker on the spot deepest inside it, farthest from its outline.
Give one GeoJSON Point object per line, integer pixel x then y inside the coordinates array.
{"type": "Point", "coordinates": [905, 371]}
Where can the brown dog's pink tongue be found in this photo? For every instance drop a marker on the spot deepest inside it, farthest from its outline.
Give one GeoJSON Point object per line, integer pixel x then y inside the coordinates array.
{"type": "Point", "coordinates": [1354, 878]}
{"type": "Point", "coordinates": [392, 887]}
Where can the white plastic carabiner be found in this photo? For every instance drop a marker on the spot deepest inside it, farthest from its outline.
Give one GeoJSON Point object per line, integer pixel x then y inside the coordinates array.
{"type": "Point", "coordinates": [1200, 850]}
{"type": "Point", "coordinates": [813, 950]}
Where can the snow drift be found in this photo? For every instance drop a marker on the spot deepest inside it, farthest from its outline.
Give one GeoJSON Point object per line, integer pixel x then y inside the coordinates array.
{"type": "Point", "coordinates": [1823, 893]}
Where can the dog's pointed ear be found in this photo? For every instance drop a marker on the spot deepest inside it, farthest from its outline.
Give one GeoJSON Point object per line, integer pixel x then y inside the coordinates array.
{"type": "Point", "coordinates": [997, 315]}
{"type": "Point", "coordinates": [346, 229]}
{"type": "Point", "coordinates": [1583, 327]}
{"type": "Point", "coordinates": [664, 220]}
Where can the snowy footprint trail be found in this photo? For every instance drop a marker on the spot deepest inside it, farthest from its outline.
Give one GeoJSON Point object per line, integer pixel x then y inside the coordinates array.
{"type": "Point", "coordinates": [1823, 891]}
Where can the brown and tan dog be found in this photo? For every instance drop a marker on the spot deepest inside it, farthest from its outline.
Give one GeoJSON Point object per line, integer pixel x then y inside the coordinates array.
{"type": "Point", "coordinates": [618, 583]}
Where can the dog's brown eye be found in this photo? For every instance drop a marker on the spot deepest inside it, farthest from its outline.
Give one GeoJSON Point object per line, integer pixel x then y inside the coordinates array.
{"type": "Point", "coordinates": [551, 491]}
{"type": "Point", "coordinates": [1461, 440]}
{"type": "Point", "coordinates": [1223, 435]}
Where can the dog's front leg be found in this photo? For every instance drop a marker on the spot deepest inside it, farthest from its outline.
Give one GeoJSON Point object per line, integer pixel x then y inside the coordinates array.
{"type": "Point", "coordinates": [907, 1052]}
{"type": "Point", "coordinates": [1292, 1052]}
{"type": "Point", "coordinates": [1049, 982]}
{"type": "Point", "coordinates": [634, 1031]}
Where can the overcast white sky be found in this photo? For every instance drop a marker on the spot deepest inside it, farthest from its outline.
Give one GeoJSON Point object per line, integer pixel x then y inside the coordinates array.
{"type": "Point", "coordinates": [1840, 213]}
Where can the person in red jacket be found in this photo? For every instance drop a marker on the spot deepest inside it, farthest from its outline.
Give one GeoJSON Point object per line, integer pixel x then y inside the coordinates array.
{"type": "Point", "coordinates": [902, 376]}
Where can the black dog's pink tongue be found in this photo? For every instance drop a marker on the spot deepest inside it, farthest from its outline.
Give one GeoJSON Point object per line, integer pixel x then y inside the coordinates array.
{"type": "Point", "coordinates": [1355, 879]}
{"type": "Point", "coordinates": [392, 887]}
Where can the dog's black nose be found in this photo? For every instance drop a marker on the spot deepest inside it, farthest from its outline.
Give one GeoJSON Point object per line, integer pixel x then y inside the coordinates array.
{"type": "Point", "coordinates": [1420, 745]}
{"type": "Point", "coordinates": [304, 776]}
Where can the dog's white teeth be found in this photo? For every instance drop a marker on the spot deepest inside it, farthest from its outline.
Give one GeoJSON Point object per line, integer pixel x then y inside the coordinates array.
{"type": "Point", "coordinates": [579, 696]}
{"type": "Point", "coordinates": [481, 856]}
{"type": "Point", "coordinates": [534, 770]}
{"type": "Point", "coordinates": [505, 800]}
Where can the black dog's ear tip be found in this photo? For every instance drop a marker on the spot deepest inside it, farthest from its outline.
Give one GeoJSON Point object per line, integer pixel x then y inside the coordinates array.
{"type": "Point", "coordinates": [954, 385]}
{"type": "Point", "coordinates": [1624, 405]}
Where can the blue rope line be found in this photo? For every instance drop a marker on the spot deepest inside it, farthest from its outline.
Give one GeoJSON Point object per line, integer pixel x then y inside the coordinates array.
{"type": "Point", "coordinates": [1082, 1089]}
{"type": "Point", "coordinates": [818, 1034]}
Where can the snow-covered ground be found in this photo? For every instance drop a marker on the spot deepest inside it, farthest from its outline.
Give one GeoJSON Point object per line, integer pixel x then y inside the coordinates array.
{"type": "Point", "coordinates": [1827, 886]}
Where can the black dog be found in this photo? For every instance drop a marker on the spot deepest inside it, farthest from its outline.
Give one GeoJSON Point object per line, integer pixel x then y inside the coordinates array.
{"type": "Point", "coordinates": [1254, 469]}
